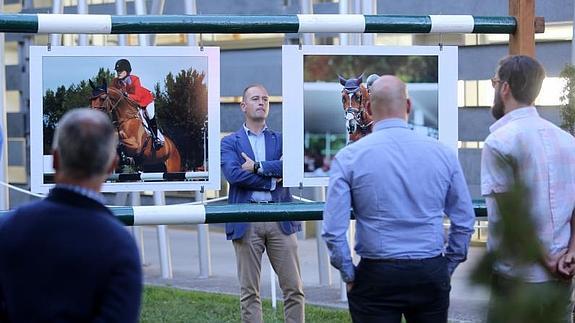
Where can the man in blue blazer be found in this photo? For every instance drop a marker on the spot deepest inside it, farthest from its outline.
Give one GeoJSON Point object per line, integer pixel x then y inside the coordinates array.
{"type": "Point", "coordinates": [67, 258]}
{"type": "Point", "coordinates": [251, 162]}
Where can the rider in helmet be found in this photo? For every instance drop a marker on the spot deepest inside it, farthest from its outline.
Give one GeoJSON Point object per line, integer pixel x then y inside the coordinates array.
{"type": "Point", "coordinates": [132, 87]}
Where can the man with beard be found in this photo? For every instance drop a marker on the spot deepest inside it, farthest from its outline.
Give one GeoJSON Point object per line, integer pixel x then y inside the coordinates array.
{"type": "Point", "coordinates": [524, 147]}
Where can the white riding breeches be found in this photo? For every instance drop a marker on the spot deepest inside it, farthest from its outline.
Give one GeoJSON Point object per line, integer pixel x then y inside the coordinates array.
{"type": "Point", "coordinates": [151, 110]}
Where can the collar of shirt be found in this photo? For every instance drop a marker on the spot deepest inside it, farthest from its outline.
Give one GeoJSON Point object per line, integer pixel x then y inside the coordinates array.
{"type": "Point", "coordinates": [96, 196]}
{"type": "Point", "coordinates": [390, 123]}
{"type": "Point", "coordinates": [249, 132]}
{"type": "Point", "coordinates": [520, 113]}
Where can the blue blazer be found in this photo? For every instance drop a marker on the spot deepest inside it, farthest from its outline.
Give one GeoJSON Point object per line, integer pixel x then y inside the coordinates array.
{"type": "Point", "coordinates": [243, 183]}
{"type": "Point", "coordinates": [67, 259]}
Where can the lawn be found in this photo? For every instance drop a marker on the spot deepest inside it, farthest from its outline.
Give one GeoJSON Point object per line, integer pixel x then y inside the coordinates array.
{"type": "Point", "coordinates": [162, 304]}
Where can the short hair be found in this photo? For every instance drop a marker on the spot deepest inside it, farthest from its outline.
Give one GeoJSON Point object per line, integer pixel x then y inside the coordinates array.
{"type": "Point", "coordinates": [524, 75]}
{"type": "Point", "coordinates": [86, 142]}
{"type": "Point", "coordinates": [249, 87]}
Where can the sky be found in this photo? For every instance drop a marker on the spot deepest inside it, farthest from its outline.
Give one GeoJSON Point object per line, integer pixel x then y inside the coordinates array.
{"type": "Point", "coordinates": [68, 70]}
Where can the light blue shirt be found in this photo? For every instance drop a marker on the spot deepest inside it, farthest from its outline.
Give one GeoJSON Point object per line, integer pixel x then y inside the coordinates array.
{"type": "Point", "coordinates": [258, 143]}
{"type": "Point", "coordinates": [400, 184]}
{"type": "Point", "coordinates": [1, 143]}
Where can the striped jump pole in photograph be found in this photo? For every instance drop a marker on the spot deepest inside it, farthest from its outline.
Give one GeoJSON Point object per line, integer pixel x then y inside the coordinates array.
{"type": "Point", "coordinates": [236, 24]}
{"type": "Point", "coordinates": [159, 177]}
{"type": "Point", "coordinates": [147, 177]}
{"type": "Point", "coordinates": [206, 213]}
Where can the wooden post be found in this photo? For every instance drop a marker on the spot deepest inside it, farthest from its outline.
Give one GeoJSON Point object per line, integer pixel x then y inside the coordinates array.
{"type": "Point", "coordinates": [522, 42]}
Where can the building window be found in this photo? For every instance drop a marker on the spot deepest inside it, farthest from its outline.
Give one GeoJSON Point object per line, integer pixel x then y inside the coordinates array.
{"type": "Point", "coordinates": [470, 144]}
{"type": "Point", "coordinates": [17, 160]}
{"type": "Point", "coordinates": [479, 93]}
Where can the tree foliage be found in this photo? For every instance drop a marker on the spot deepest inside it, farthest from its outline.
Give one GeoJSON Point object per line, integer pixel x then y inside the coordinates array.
{"type": "Point", "coordinates": [182, 110]}
{"type": "Point", "coordinates": [57, 103]}
{"type": "Point", "coordinates": [568, 99]}
{"type": "Point", "coordinates": [410, 69]}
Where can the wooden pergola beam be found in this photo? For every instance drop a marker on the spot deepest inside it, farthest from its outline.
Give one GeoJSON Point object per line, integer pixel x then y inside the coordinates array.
{"type": "Point", "coordinates": [522, 42]}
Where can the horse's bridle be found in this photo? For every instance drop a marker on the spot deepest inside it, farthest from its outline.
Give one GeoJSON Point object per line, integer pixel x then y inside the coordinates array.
{"type": "Point", "coordinates": [110, 108]}
{"type": "Point", "coordinates": [354, 117]}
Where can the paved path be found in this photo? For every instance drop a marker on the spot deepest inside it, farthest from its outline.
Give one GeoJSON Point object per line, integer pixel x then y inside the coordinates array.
{"type": "Point", "coordinates": [468, 302]}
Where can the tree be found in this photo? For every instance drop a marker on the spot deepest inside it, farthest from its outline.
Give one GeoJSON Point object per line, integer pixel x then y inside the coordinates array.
{"type": "Point", "coordinates": [53, 110]}
{"type": "Point", "coordinates": [410, 69]}
{"type": "Point", "coordinates": [568, 99]}
{"type": "Point", "coordinates": [182, 110]}
{"type": "Point", "coordinates": [56, 104]}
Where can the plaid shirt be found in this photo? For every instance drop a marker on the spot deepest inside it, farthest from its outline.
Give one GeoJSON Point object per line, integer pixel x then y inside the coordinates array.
{"type": "Point", "coordinates": [545, 159]}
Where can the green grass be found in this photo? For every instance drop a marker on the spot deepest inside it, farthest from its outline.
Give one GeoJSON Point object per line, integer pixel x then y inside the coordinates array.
{"type": "Point", "coordinates": [162, 304]}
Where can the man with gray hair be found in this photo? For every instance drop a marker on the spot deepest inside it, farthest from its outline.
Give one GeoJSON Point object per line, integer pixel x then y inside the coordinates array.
{"type": "Point", "coordinates": [66, 258]}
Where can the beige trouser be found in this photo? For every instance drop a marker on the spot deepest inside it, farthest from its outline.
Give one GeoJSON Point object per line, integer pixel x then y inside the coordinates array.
{"type": "Point", "coordinates": [282, 252]}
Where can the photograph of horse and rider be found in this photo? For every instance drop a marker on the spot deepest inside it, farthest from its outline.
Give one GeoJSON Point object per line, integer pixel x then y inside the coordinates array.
{"type": "Point", "coordinates": [336, 88]}
{"type": "Point", "coordinates": [159, 106]}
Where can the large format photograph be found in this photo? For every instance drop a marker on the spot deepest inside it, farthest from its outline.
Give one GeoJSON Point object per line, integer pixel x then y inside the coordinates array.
{"type": "Point", "coordinates": [325, 92]}
{"type": "Point", "coordinates": [158, 104]}
{"type": "Point", "coordinates": [335, 95]}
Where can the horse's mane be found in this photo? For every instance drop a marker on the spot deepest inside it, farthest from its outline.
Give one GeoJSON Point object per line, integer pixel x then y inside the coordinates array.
{"type": "Point", "coordinates": [119, 95]}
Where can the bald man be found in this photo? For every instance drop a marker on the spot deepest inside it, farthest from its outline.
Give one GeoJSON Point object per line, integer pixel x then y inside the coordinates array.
{"type": "Point", "coordinates": [400, 185]}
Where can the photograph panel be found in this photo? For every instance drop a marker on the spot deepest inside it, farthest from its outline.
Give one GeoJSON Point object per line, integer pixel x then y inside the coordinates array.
{"type": "Point", "coordinates": [159, 100]}
{"type": "Point", "coordinates": [334, 91]}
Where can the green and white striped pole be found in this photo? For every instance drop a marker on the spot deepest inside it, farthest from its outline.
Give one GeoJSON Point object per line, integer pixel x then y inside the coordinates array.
{"type": "Point", "coordinates": [198, 213]}
{"type": "Point", "coordinates": [227, 24]}
{"type": "Point", "coordinates": [206, 213]}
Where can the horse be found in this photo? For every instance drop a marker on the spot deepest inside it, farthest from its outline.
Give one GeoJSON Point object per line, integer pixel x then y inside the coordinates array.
{"type": "Point", "coordinates": [135, 140]}
{"type": "Point", "coordinates": [354, 97]}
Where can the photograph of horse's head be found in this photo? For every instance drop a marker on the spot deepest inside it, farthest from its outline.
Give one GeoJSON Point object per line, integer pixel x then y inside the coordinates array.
{"type": "Point", "coordinates": [354, 97]}
{"type": "Point", "coordinates": [336, 92]}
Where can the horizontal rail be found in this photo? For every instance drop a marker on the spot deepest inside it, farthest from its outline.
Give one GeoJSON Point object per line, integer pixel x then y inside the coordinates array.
{"type": "Point", "coordinates": [147, 177]}
{"type": "Point", "coordinates": [228, 24]}
{"type": "Point", "coordinates": [206, 213]}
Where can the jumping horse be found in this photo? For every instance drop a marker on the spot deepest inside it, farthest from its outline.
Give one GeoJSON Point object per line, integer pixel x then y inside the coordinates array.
{"type": "Point", "coordinates": [354, 97]}
{"type": "Point", "coordinates": [135, 140]}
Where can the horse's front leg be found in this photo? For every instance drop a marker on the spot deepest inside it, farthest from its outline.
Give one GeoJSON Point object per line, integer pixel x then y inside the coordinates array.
{"type": "Point", "coordinates": [131, 143]}
{"type": "Point", "coordinates": [124, 160]}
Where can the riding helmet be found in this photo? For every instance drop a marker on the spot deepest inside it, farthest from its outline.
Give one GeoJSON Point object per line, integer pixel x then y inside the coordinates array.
{"type": "Point", "coordinates": [123, 65]}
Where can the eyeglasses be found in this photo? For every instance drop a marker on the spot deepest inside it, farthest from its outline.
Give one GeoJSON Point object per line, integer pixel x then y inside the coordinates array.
{"type": "Point", "coordinates": [495, 80]}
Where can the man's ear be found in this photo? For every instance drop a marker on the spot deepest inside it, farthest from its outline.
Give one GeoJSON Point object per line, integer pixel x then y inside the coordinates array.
{"type": "Point", "coordinates": [368, 107]}
{"type": "Point", "coordinates": [505, 89]}
{"type": "Point", "coordinates": [243, 106]}
{"type": "Point", "coordinates": [408, 103]}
